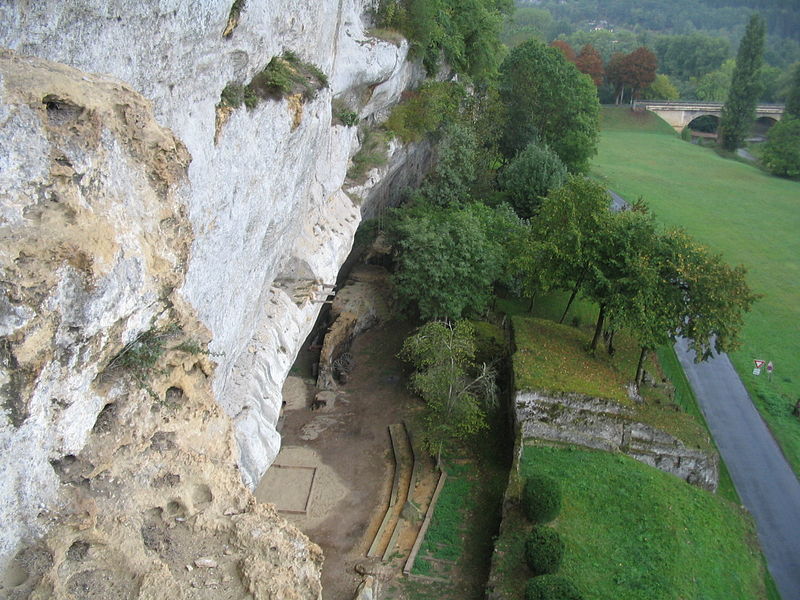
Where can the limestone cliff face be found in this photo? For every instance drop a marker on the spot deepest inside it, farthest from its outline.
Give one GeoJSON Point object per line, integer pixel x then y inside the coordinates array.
{"type": "Point", "coordinates": [129, 218]}
{"type": "Point", "coordinates": [118, 466]}
{"type": "Point", "coordinates": [265, 202]}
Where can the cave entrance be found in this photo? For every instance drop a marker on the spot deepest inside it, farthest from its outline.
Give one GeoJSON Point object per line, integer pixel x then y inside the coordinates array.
{"type": "Point", "coordinates": [336, 471]}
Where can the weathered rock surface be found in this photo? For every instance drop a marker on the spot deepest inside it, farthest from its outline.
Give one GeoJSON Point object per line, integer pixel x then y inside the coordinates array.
{"type": "Point", "coordinates": [118, 469]}
{"type": "Point", "coordinates": [606, 425]}
{"type": "Point", "coordinates": [359, 304]}
{"type": "Point", "coordinates": [265, 195]}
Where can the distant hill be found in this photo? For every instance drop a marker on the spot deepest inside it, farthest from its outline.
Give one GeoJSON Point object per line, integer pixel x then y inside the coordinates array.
{"type": "Point", "coordinates": [677, 16]}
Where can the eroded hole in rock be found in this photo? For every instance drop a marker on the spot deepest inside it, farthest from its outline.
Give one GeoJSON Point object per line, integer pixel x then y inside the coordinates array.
{"type": "Point", "coordinates": [105, 420]}
{"type": "Point", "coordinates": [60, 111]}
{"type": "Point", "coordinates": [154, 514]}
{"type": "Point", "coordinates": [13, 400]}
{"type": "Point", "coordinates": [176, 509]}
{"type": "Point", "coordinates": [99, 584]}
{"type": "Point", "coordinates": [66, 468]}
{"type": "Point", "coordinates": [155, 537]}
{"type": "Point", "coordinates": [162, 441]}
{"type": "Point", "coordinates": [78, 551]}
{"type": "Point", "coordinates": [26, 569]}
{"type": "Point", "coordinates": [167, 480]}
{"type": "Point", "coordinates": [173, 397]}
{"type": "Point", "coordinates": [201, 495]}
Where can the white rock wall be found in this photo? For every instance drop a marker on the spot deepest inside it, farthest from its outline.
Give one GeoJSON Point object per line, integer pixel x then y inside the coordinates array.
{"type": "Point", "coordinates": [265, 202]}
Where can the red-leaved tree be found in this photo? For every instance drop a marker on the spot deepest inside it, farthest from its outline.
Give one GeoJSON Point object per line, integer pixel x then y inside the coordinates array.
{"type": "Point", "coordinates": [590, 62]}
{"type": "Point", "coordinates": [565, 48]}
{"type": "Point", "coordinates": [636, 71]}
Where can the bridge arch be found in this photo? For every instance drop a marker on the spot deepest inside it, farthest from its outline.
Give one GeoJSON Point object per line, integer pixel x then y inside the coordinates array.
{"type": "Point", "coordinates": [707, 123]}
{"type": "Point", "coordinates": [762, 125]}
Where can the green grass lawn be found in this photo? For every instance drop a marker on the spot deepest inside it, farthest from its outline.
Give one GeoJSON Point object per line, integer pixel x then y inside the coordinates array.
{"type": "Point", "coordinates": [635, 533]}
{"type": "Point", "coordinates": [737, 210]}
{"type": "Point", "coordinates": [553, 358]}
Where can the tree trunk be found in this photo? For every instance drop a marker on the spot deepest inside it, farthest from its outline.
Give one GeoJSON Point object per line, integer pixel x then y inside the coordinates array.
{"type": "Point", "coordinates": [572, 296]}
{"type": "Point", "coordinates": [640, 366]}
{"type": "Point", "coordinates": [601, 317]}
{"type": "Point", "coordinates": [530, 308]}
{"type": "Point", "coordinates": [610, 341]}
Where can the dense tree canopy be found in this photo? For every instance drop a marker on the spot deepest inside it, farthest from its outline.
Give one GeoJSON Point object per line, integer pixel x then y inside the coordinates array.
{"type": "Point", "coordinates": [781, 153]}
{"type": "Point", "coordinates": [456, 391]}
{"type": "Point", "coordinates": [590, 63]}
{"type": "Point", "coordinates": [548, 101]}
{"type": "Point", "coordinates": [692, 55]}
{"type": "Point", "coordinates": [793, 95]}
{"type": "Point", "coordinates": [635, 71]}
{"type": "Point", "coordinates": [661, 89]}
{"type": "Point", "coordinates": [447, 259]}
{"type": "Point", "coordinates": [467, 32]}
{"type": "Point", "coordinates": [739, 110]}
{"type": "Point", "coordinates": [565, 48]}
{"type": "Point", "coordinates": [530, 176]}
{"type": "Point", "coordinates": [715, 86]}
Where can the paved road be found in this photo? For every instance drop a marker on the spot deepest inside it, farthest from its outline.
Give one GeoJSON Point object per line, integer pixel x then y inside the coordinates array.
{"type": "Point", "coordinates": [763, 478]}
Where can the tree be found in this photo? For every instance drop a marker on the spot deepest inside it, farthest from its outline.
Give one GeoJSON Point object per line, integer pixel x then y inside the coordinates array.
{"type": "Point", "coordinates": [615, 74]}
{"type": "Point", "coordinates": [620, 275]}
{"type": "Point", "coordinates": [793, 96]}
{"type": "Point", "coordinates": [661, 89]}
{"type": "Point", "coordinates": [565, 48]}
{"type": "Point", "coordinates": [712, 296]}
{"type": "Point", "coordinates": [447, 258]}
{"type": "Point", "coordinates": [638, 70]}
{"type": "Point", "coordinates": [548, 101]}
{"type": "Point", "coordinates": [527, 23]}
{"type": "Point", "coordinates": [569, 227]}
{"type": "Point", "coordinates": [715, 86]}
{"type": "Point", "coordinates": [692, 55]}
{"type": "Point", "coordinates": [739, 110]}
{"type": "Point", "coordinates": [781, 153]}
{"type": "Point", "coordinates": [453, 174]}
{"type": "Point", "coordinates": [466, 32]}
{"type": "Point", "coordinates": [530, 176]}
{"type": "Point", "coordinates": [456, 391]}
{"type": "Point", "coordinates": [590, 63]}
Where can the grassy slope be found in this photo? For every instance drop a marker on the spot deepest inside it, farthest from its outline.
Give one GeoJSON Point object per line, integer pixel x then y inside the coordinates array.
{"type": "Point", "coordinates": [553, 358]}
{"type": "Point", "coordinates": [749, 217]}
{"type": "Point", "coordinates": [633, 532]}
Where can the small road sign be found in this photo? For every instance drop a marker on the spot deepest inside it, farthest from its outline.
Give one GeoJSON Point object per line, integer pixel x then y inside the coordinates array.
{"type": "Point", "coordinates": [759, 363]}
{"type": "Point", "coordinates": [756, 371]}
{"type": "Point", "coordinates": [769, 367]}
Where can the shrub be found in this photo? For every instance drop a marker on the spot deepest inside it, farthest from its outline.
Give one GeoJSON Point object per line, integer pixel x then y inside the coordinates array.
{"type": "Point", "coordinates": [541, 498]}
{"type": "Point", "coordinates": [232, 95]}
{"type": "Point", "coordinates": [781, 153]}
{"type": "Point", "coordinates": [422, 112]}
{"type": "Point", "coordinates": [374, 152]}
{"type": "Point", "coordinates": [551, 587]}
{"type": "Point", "coordinates": [544, 550]}
{"type": "Point", "coordinates": [343, 114]}
{"type": "Point", "coordinates": [287, 74]}
{"type": "Point", "coordinates": [530, 176]}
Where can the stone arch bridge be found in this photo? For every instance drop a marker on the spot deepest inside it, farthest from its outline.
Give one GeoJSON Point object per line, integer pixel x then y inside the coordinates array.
{"type": "Point", "coordinates": [680, 114]}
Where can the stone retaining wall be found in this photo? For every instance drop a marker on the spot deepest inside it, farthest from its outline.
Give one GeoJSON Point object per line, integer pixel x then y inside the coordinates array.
{"type": "Point", "coordinates": [605, 425]}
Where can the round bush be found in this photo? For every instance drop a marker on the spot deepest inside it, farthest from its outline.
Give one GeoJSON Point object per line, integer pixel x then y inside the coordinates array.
{"type": "Point", "coordinates": [530, 176]}
{"type": "Point", "coordinates": [551, 587]}
{"type": "Point", "coordinates": [544, 550]}
{"type": "Point", "coordinates": [541, 498]}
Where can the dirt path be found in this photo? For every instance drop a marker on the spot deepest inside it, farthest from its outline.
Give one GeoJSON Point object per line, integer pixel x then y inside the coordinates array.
{"type": "Point", "coordinates": [348, 444]}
